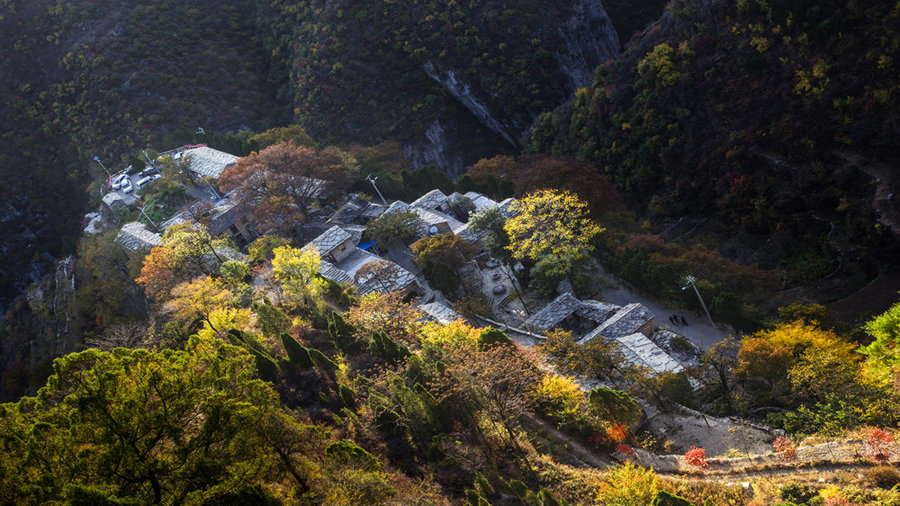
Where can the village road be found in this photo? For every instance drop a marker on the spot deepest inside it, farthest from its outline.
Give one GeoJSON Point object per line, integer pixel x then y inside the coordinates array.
{"type": "Point", "coordinates": [698, 329]}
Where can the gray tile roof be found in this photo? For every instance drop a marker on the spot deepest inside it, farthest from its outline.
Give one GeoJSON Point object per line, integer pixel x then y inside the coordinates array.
{"type": "Point", "coordinates": [624, 322]}
{"type": "Point", "coordinates": [467, 234]}
{"type": "Point", "coordinates": [397, 205]}
{"type": "Point", "coordinates": [135, 236]}
{"type": "Point", "coordinates": [440, 313]}
{"type": "Point", "coordinates": [431, 200]}
{"type": "Point", "coordinates": [431, 217]}
{"type": "Point", "coordinates": [356, 208]}
{"type": "Point", "coordinates": [353, 262]}
{"type": "Point", "coordinates": [209, 162]}
{"type": "Point", "coordinates": [113, 199]}
{"type": "Point", "coordinates": [554, 312]}
{"type": "Point", "coordinates": [596, 311]}
{"type": "Point", "coordinates": [329, 271]}
{"type": "Point", "coordinates": [640, 351]}
{"type": "Point", "coordinates": [356, 232]}
{"type": "Point", "coordinates": [505, 207]}
{"type": "Point", "coordinates": [328, 240]}
{"type": "Point", "coordinates": [480, 201]}
{"type": "Point", "coordinates": [223, 215]}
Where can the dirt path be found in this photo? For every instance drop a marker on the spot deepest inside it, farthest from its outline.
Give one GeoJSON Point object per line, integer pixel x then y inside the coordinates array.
{"type": "Point", "coordinates": [698, 330]}
{"type": "Point", "coordinates": [884, 201]}
{"type": "Point", "coordinates": [577, 449]}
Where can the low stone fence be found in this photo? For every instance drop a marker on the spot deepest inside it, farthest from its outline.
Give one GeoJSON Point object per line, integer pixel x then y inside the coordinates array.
{"type": "Point", "coordinates": [847, 451]}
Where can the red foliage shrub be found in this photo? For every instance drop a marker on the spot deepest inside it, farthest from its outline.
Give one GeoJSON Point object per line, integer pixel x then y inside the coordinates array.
{"type": "Point", "coordinates": [784, 448]}
{"type": "Point", "coordinates": [877, 444]}
{"type": "Point", "coordinates": [617, 432]}
{"type": "Point", "coordinates": [625, 449]}
{"type": "Point", "coordinates": [696, 457]}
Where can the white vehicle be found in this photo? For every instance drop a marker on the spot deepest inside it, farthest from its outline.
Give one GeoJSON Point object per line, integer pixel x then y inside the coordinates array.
{"type": "Point", "coordinates": [117, 181]}
{"type": "Point", "coordinates": [141, 182]}
{"type": "Point", "coordinates": [126, 186]}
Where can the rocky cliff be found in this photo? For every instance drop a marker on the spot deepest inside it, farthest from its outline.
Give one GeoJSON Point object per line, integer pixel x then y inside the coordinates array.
{"type": "Point", "coordinates": [423, 74]}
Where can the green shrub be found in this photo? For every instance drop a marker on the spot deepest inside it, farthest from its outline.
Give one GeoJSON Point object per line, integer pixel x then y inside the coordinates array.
{"type": "Point", "coordinates": [663, 498]}
{"type": "Point", "coordinates": [798, 493]}
{"type": "Point", "coordinates": [322, 362]}
{"type": "Point", "coordinates": [297, 353]}
{"type": "Point", "coordinates": [883, 476]}
{"type": "Point", "coordinates": [347, 397]}
{"type": "Point", "coordinates": [491, 337]}
{"type": "Point", "coordinates": [614, 405]}
{"type": "Point", "coordinates": [347, 453]}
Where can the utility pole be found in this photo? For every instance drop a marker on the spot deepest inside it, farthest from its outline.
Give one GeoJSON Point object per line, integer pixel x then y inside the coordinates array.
{"type": "Point", "coordinates": [369, 179]}
{"type": "Point", "coordinates": [690, 280]}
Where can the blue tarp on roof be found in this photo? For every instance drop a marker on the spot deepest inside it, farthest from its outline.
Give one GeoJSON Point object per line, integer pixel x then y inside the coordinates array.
{"type": "Point", "coordinates": [366, 245]}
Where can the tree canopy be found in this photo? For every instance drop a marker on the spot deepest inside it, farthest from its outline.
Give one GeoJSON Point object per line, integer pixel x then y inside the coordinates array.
{"type": "Point", "coordinates": [135, 425]}
{"type": "Point", "coordinates": [283, 181]}
{"type": "Point", "coordinates": [550, 224]}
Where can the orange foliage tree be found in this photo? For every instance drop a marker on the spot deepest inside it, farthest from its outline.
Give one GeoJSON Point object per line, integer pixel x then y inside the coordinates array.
{"type": "Point", "coordinates": [386, 312]}
{"type": "Point", "coordinates": [283, 181]}
{"type": "Point", "coordinates": [162, 270]}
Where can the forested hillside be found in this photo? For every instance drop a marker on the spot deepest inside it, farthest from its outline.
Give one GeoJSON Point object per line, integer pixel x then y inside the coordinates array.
{"type": "Point", "coordinates": [778, 120]}
{"type": "Point", "coordinates": [105, 78]}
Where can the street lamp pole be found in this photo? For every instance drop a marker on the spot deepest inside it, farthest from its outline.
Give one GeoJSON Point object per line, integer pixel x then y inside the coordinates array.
{"type": "Point", "coordinates": [369, 179]}
{"type": "Point", "coordinates": [690, 280]}
{"type": "Point", "coordinates": [97, 159]}
{"type": "Point", "coordinates": [141, 209]}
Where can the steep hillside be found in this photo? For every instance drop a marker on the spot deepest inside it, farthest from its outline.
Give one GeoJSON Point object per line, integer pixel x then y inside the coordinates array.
{"type": "Point", "coordinates": [771, 117]}
{"type": "Point", "coordinates": [454, 82]}
{"type": "Point", "coordinates": [84, 78]}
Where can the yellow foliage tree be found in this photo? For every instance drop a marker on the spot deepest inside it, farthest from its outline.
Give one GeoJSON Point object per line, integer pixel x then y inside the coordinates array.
{"type": "Point", "coordinates": [817, 361]}
{"type": "Point", "coordinates": [456, 334]}
{"type": "Point", "coordinates": [226, 318]}
{"type": "Point", "coordinates": [549, 224]}
{"type": "Point", "coordinates": [298, 273]}
{"type": "Point", "coordinates": [799, 336]}
{"type": "Point", "coordinates": [192, 241]}
{"type": "Point", "coordinates": [197, 300]}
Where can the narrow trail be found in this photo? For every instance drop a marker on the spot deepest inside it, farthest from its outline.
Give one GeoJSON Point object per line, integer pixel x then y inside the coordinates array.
{"type": "Point", "coordinates": [577, 449]}
{"type": "Point", "coordinates": [884, 189]}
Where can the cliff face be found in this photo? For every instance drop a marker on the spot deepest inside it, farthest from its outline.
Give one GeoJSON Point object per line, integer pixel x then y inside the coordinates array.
{"type": "Point", "coordinates": [367, 73]}
{"type": "Point", "coordinates": [583, 38]}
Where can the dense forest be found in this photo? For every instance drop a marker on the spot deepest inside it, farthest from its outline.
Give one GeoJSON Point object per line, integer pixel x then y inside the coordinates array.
{"type": "Point", "coordinates": [777, 120]}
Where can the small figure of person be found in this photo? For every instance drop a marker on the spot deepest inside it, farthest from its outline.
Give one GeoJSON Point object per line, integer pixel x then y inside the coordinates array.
{"type": "Point", "coordinates": [683, 321]}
